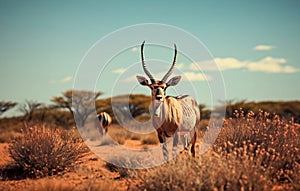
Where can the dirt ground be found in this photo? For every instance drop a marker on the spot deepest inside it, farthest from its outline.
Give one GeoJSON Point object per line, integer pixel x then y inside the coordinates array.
{"type": "Point", "coordinates": [91, 174]}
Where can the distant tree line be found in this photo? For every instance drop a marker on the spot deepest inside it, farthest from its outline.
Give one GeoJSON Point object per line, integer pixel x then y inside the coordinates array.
{"type": "Point", "coordinates": [81, 104]}
{"type": "Point", "coordinates": [285, 109]}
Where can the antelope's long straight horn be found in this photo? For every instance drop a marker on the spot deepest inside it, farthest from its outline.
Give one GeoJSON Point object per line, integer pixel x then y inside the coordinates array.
{"type": "Point", "coordinates": [172, 67]}
{"type": "Point", "coordinates": [144, 64]}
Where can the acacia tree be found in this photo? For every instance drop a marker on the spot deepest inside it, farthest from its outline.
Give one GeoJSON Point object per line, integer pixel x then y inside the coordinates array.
{"type": "Point", "coordinates": [6, 105]}
{"type": "Point", "coordinates": [80, 103]}
{"type": "Point", "coordinates": [28, 108]}
{"type": "Point", "coordinates": [204, 112]}
{"type": "Point", "coordinates": [231, 106]}
{"type": "Point", "coordinates": [125, 107]}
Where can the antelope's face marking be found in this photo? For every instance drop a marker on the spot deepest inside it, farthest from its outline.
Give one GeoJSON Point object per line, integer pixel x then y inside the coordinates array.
{"type": "Point", "coordinates": [158, 88]}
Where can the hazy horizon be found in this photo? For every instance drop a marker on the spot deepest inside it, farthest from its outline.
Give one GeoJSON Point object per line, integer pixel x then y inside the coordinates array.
{"type": "Point", "coordinates": [255, 45]}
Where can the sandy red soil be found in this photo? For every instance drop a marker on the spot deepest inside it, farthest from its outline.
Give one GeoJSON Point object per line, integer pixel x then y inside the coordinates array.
{"type": "Point", "coordinates": [92, 172]}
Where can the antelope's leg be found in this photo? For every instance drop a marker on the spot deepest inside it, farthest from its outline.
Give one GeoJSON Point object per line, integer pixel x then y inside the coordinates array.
{"type": "Point", "coordinates": [175, 145]}
{"type": "Point", "coordinates": [186, 141]}
{"type": "Point", "coordinates": [193, 141]}
{"type": "Point", "coordinates": [165, 152]}
{"type": "Point", "coordinates": [175, 140]}
{"type": "Point", "coordinates": [162, 139]}
{"type": "Point", "coordinates": [99, 127]}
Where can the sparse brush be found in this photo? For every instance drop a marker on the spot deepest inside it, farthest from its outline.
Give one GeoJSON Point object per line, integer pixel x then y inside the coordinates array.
{"type": "Point", "coordinates": [124, 165]}
{"type": "Point", "coordinates": [150, 139]}
{"type": "Point", "coordinates": [119, 134]}
{"type": "Point", "coordinates": [93, 185]}
{"type": "Point", "coordinates": [267, 141]}
{"type": "Point", "coordinates": [43, 151]}
{"type": "Point", "coordinates": [120, 140]}
{"type": "Point", "coordinates": [209, 172]}
{"type": "Point", "coordinates": [52, 185]}
{"type": "Point", "coordinates": [136, 137]}
{"type": "Point", "coordinates": [252, 152]}
{"type": "Point", "coordinates": [7, 136]}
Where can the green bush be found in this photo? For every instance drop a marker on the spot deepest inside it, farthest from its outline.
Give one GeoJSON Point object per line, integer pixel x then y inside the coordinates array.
{"type": "Point", "coordinates": [42, 151]}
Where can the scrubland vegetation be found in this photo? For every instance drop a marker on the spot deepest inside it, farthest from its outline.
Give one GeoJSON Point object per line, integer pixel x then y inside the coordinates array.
{"type": "Point", "coordinates": [258, 148]}
{"type": "Point", "coordinates": [252, 152]}
{"type": "Point", "coordinates": [42, 151]}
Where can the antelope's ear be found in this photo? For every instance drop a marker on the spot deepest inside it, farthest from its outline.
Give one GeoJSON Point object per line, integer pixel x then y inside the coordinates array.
{"type": "Point", "coordinates": [174, 81]}
{"type": "Point", "coordinates": [142, 80]}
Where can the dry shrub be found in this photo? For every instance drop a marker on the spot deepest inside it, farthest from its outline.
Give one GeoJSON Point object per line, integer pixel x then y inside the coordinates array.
{"type": "Point", "coordinates": [209, 172]}
{"type": "Point", "coordinates": [267, 142]}
{"type": "Point", "coordinates": [91, 184]}
{"type": "Point", "coordinates": [136, 137]}
{"type": "Point", "coordinates": [52, 185]}
{"type": "Point", "coordinates": [143, 118]}
{"type": "Point", "coordinates": [104, 185]}
{"type": "Point", "coordinates": [6, 136]}
{"type": "Point", "coordinates": [124, 165]}
{"type": "Point", "coordinates": [252, 152]}
{"type": "Point", "coordinates": [202, 126]}
{"type": "Point", "coordinates": [121, 140]}
{"type": "Point", "coordinates": [123, 172]}
{"type": "Point", "coordinates": [150, 139]}
{"type": "Point", "coordinates": [119, 134]}
{"type": "Point", "coordinates": [11, 172]}
{"type": "Point", "coordinates": [42, 151]}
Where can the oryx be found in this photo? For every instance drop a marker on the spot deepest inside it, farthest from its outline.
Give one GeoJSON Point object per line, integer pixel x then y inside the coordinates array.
{"type": "Point", "coordinates": [104, 120]}
{"type": "Point", "coordinates": [171, 116]}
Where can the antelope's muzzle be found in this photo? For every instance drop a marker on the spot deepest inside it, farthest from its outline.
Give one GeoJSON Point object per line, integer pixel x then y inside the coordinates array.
{"type": "Point", "coordinates": [158, 95]}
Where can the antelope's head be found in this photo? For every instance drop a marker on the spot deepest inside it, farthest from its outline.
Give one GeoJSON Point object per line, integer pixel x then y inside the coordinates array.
{"type": "Point", "coordinates": [158, 87]}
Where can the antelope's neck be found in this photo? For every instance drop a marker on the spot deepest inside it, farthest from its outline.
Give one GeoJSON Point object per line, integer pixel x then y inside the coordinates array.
{"type": "Point", "coordinates": [158, 109]}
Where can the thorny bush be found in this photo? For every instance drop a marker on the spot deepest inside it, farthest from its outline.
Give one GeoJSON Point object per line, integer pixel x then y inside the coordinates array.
{"type": "Point", "coordinates": [209, 172]}
{"type": "Point", "coordinates": [264, 140]}
{"type": "Point", "coordinates": [42, 151]}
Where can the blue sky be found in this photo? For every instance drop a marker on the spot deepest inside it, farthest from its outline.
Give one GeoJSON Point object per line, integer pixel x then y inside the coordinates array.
{"type": "Point", "coordinates": [256, 43]}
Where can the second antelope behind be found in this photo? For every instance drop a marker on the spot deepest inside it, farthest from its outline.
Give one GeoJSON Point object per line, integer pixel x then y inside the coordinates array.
{"type": "Point", "coordinates": [175, 117]}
